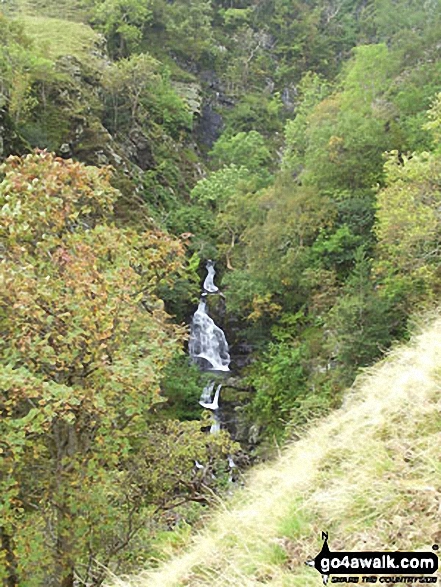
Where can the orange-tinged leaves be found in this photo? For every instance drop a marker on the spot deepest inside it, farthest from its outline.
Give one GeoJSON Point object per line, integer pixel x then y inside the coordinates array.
{"type": "Point", "coordinates": [85, 339]}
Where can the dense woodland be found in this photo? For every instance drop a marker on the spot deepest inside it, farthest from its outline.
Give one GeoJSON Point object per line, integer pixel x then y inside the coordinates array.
{"type": "Point", "coordinates": [296, 143]}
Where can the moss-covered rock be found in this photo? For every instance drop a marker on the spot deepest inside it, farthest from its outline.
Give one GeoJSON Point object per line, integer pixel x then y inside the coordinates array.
{"type": "Point", "coordinates": [11, 142]}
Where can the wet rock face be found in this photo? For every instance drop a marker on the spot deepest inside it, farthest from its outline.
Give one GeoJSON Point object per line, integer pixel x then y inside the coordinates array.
{"type": "Point", "coordinates": [210, 123]}
{"type": "Point", "coordinates": [288, 97]}
{"type": "Point", "coordinates": [209, 126]}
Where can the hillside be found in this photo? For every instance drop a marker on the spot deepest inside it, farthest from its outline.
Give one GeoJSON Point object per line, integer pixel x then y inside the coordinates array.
{"type": "Point", "coordinates": [297, 145]}
{"type": "Point", "coordinates": [369, 474]}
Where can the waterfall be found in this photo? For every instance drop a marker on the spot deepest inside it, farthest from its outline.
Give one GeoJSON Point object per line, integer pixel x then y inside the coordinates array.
{"type": "Point", "coordinates": [212, 405]}
{"type": "Point", "coordinates": [209, 283]}
{"type": "Point", "coordinates": [216, 426]}
{"type": "Point", "coordinates": [208, 348]}
{"type": "Point", "coordinates": [206, 393]}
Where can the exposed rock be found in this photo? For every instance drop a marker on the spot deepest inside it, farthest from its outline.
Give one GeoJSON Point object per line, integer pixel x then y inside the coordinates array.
{"type": "Point", "coordinates": [209, 126]}
{"type": "Point", "coordinates": [288, 96]}
{"type": "Point", "coordinates": [137, 148]}
{"type": "Point", "coordinates": [253, 434]}
{"type": "Point", "coordinates": [245, 433]}
{"type": "Point", "coordinates": [71, 66]}
{"type": "Point", "coordinates": [191, 93]}
{"type": "Point", "coordinates": [66, 150]}
{"type": "Point", "coordinates": [270, 85]}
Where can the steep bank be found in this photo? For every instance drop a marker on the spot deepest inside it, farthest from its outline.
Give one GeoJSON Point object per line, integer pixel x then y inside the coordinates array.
{"type": "Point", "coordinates": [369, 475]}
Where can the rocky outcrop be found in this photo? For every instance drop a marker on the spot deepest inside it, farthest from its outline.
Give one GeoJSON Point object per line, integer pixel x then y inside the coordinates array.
{"type": "Point", "coordinates": [210, 122]}
{"type": "Point", "coordinates": [138, 149]}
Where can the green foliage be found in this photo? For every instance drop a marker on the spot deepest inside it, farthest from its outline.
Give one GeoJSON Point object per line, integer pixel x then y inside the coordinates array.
{"type": "Point", "coordinates": [249, 150]}
{"type": "Point", "coordinates": [188, 27]}
{"type": "Point", "coordinates": [347, 133]}
{"type": "Point", "coordinates": [278, 248]}
{"type": "Point", "coordinates": [133, 78]}
{"type": "Point", "coordinates": [255, 112]}
{"type": "Point", "coordinates": [221, 185]}
{"type": "Point", "coordinates": [123, 23]}
{"type": "Point", "coordinates": [407, 228]}
{"type": "Point", "coordinates": [281, 383]}
{"type": "Point", "coordinates": [309, 241]}
{"type": "Point", "coordinates": [181, 386]}
{"type": "Point", "coordinates": [310, 38]}
{"type": "Point", "coordinates": [20, 68]}
{"type": "Point", "coordinates": [319, 290]}
{"type": "Point", "coordinates": [236, 17]}
{"type": "Point", "coordinates": [139, 92]}
{"type": "Point", "coordinates": [233, 190]}
{"type": "Point", "coordinates": [336, 250]}
{"type": "Point", "coordinates": [359, 324]}
{"type": "Point", "coordinates": [434, 119]}
{"type": "Point", "coordinates": [312, 90]}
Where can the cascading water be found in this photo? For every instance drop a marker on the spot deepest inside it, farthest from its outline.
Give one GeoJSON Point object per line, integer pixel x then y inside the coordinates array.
{"type": "Point", "coordinates": [211, 405]}
{"type": "Point", "coordinates": [208, 283]}
{"type": "Point", "coordinates": [207, 393]}
{"type": "Point", "coordinates": [208, 347]}
{"type": "Point", "coordinates": [216, 425]}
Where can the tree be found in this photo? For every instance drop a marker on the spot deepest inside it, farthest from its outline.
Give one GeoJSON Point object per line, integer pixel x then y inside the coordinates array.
{"type": "Point", "coordinates": [248, 149]}
{"type": "Point", "coordinates": [360, 325]}
{"type": "Point", "coordinates": [127, 82]}
{"type": "Point", "coordinates": [188, 27]}
{"type": "Point", "coordinates": [123, 22]}
{"type": "Point", "coordinates": [220, 186]}
{"type": "Point", "coordinates": [311, 91]}
{"type": "Point", "coordinates": [278, 248]}
{"type": "Point", "coordinates": [408, 228]}
{"type": "Point", "coordinates": [139, 94]}
{"type": "Point", "coordinates": [84, 346]}
{"type": "Point", "coordinates": [21, 68]}
{"type": "Point", "coordinates": [280, 380]}
{"type": "Point", "coordinates": [347, 132]}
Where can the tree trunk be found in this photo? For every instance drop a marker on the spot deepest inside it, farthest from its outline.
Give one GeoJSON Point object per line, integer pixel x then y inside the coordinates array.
{"type": "Point", "coordinates": [66, 445]}
{"type": "Point", "coordinates": [11, 579]}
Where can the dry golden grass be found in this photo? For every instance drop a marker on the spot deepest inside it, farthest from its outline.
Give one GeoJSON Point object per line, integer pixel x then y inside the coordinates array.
{"type": "Point", "coordinates": [369, 474]}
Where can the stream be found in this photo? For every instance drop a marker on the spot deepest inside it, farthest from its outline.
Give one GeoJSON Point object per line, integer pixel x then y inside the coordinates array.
{"type": "Point", "coordinates": [208, 349]}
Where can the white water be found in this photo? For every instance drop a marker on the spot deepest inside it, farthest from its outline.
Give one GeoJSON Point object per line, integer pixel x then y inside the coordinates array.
{"type": "Point", "coordinates": [207, 346]}
{"type": "Point", "coordinates": [209, 283]}
{"type": "Point", "coordinates": [206, 393]}
{"type": "Point", "coordinates": [216, 426]}
{"type": "Point", "coordinates": [212, 405]}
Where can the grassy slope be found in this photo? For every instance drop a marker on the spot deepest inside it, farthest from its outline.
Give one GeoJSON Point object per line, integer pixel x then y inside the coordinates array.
{"type": "Point", "coordinates": [369, 474]}
{"type": "Point", "coordinates": [55, 26]}
{"type": "Point", "coordinates": [57, 37]}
